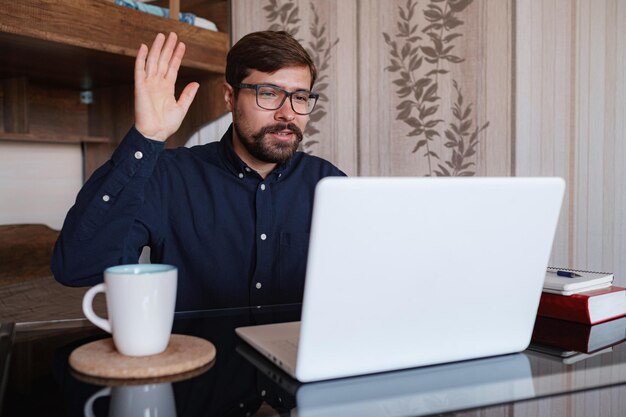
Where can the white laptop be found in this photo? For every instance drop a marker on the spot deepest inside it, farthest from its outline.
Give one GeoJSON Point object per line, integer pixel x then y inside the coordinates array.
{"type": "Point", "coordinates": [408, 272]}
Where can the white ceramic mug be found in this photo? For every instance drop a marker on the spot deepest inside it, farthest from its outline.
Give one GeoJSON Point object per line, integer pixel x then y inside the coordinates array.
{"type": "Point", "coordinates": [140, 302]}
{"type": "Point", "coordinates": [138, 400]}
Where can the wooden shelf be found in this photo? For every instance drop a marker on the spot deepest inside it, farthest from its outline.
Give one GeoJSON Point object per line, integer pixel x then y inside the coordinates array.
{"type": "Point", "coordinates": [53, 50]}
{"type": "Point", "coordinates": [52, 138]}
{"type": "Point", "coordinates": [92, 43]}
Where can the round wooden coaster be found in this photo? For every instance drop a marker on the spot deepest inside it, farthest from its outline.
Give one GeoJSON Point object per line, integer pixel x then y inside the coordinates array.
{"type": "Point", "coordinates": [102, 360]}
{"type": "Point", "coordinates": [124, 382]}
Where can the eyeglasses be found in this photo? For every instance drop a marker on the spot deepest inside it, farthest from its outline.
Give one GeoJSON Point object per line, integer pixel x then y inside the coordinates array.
{"type": "Point", "coordinates": [271, 97]}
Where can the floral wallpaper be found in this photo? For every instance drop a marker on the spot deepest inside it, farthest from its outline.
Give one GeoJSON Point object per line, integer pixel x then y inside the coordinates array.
{"type": "Point", "coordinates": [420, 57]}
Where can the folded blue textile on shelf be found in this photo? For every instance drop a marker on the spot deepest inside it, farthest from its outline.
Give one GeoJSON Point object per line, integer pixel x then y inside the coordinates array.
{"type": "Point", "coordinates": [189, 18]}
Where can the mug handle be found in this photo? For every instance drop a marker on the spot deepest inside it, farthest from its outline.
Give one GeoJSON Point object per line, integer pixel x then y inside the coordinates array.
{"type": "Point", "coordinates": [88, 409]}
{"type": "Point", "coordinates": [88, 308]}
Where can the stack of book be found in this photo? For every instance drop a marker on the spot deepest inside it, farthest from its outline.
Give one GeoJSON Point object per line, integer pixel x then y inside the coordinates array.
{"type": "Point", "coordinates": [581, 296]}
{"type": "Point", "coordinates": [573, 341]}
{"type": "Point", "coordinates": [579, 313]}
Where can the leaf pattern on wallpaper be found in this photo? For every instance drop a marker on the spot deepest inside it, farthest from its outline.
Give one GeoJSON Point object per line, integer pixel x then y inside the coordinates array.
{"type": "Point", "coordinates": [284, 16]}
{"type": "Point", "coordinates": [414, 52]}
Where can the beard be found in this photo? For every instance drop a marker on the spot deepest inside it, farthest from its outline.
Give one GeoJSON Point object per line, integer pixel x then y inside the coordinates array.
{"type": "Point", "coordinates": [263, 148]}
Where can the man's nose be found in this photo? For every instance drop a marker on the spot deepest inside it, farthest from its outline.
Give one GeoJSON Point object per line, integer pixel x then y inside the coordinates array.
{"type": "Point", "coordinates": [285, 112]}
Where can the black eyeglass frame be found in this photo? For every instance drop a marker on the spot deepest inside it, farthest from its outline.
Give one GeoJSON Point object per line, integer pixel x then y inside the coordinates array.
{"type": "Point", "coordinates": [256, 87]}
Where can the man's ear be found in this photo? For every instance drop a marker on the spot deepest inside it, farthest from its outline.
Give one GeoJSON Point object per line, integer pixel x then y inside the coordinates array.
{"type": "Point", "coordinates": [229, 97]}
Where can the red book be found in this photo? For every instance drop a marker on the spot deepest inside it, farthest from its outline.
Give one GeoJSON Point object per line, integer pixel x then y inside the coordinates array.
{"type": "Point", "coordinates": [589, 307]}
{"type": "Point", "coordinates": [569, 336]}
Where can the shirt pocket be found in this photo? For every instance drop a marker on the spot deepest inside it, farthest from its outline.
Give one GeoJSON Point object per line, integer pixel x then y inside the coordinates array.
{"type": "Point", "coordinates": [293, 251]}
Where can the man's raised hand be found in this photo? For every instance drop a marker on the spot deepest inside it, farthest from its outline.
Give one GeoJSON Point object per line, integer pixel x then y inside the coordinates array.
{"type": "Point", "coordinates": [158, 114]}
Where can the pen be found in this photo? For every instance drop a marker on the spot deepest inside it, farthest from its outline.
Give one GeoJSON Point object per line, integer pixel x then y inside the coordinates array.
{"type": "Point", "coordinates": [568, 274]}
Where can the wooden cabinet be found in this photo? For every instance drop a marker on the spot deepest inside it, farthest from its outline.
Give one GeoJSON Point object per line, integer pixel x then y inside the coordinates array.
{"type": "Point", "coordinates": [54, 51]}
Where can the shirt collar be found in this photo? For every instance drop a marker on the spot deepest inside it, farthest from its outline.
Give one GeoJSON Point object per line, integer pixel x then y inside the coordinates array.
{"type": "Point", "coordinates": [231, 159]}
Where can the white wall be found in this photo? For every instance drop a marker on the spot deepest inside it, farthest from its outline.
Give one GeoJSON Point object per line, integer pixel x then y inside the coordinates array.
{"type": "Point", "coordinates": [211, 132]}
{"type": "Point", "coordinates": [38, 182]}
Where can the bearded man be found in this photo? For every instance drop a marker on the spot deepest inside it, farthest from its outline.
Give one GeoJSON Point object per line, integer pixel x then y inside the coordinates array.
{"type": "Point", "coordinates": [234, 216]}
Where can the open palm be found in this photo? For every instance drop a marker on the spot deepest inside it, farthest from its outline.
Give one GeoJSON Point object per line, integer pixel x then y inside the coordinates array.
{"type": "Point", "coordinates": [158, 114]}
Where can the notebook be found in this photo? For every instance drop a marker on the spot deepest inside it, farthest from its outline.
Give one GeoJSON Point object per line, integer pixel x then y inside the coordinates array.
{"type": "Point", "coordinates": [566, 281]}
{"type": "Point", "coordinates": [408, 272]}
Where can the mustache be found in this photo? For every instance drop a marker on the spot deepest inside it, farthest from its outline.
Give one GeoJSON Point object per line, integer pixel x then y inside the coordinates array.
{"type": "Point", "coordinates": [280, 127]}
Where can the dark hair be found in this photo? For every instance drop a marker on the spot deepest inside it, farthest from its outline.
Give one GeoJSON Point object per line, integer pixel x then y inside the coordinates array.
{"type": "Point", "coordinates": [266, 51]}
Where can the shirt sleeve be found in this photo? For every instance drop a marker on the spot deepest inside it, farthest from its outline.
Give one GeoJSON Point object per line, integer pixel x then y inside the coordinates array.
{"type": "Point", "coordinates": [103, 227]}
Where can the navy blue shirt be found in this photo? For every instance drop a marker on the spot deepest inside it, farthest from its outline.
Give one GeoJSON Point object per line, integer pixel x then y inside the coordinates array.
{"type": "Point", "coordinates": [236, 238]}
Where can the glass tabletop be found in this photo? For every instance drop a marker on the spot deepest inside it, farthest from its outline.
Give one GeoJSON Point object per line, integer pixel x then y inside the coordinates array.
{"type": "Point", "coordinates": [39, 381]}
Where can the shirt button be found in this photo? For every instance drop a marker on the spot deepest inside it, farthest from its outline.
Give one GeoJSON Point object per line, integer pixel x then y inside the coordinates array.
{"type": "Point", "coordinates": [247, 169]}
{"type": "Point", "coordinates": [263, 393]}
{"type": "Point", "coordinates": [241, 175]}
{"type": "Point", "coordinates": [262, 187]}
{"type": "Point", "coordinates": [138, 155]}
{"type": "Point", "coordinates": [258, 285]}
{"type": "Point", "coordinates": [263, 236]}
{"type": "Point", "coordinates": [106, 198]}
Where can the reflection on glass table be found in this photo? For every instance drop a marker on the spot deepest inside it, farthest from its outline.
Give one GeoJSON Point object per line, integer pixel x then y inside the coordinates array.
{"type": "Point", "coordinates": [242, 383]}
{"type": "Point", "coordinates": [414, 392]}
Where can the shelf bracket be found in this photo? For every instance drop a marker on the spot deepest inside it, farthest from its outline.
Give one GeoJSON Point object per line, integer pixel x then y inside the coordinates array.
{"type": "Point", "coordinates": [174, 9]}
{"type": "Point", "coordinates": [15, 103]}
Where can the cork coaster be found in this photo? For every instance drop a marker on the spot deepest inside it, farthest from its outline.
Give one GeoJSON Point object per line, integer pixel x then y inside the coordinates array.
{"type": "Point", "coordinates": [119, 382]}
{"type": "Point", "coordinates": [101, 359]}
